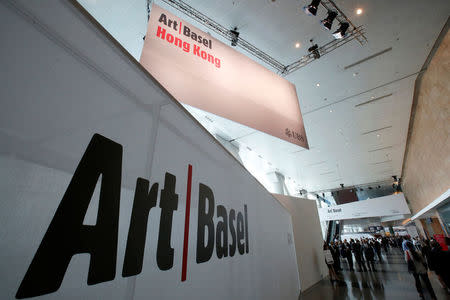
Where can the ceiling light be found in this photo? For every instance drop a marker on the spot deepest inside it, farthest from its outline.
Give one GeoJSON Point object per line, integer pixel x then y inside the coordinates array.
{"type": "Point", "coordinates": [312, 8]}
{"type": "Point", "coordinates": [340, 33]}
{"type": "Point", "coordinates": [297, 45]}
{"type": "Point", "coordinates": [328, 21]}
{"type": "Point", "coordinates": [317, 84]}
{"type": "Point", "coordinates": [331, 110]}
{"type": "Point", "coordinates": [378, 135]}
{"type": "Point", "coordinates": [359, 11]}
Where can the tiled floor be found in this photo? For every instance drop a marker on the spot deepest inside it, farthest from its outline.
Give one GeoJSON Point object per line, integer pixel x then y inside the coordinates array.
{"type": "Point", "coordinates": [391, 281]}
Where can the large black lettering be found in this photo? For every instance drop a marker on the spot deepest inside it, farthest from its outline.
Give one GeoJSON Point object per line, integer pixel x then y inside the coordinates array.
{"type": "Point", "coordinates": [240, 232]}
{"type": "Point", "coordinates": [67, 236]}
{"type": "Point", "coordinates": [143, 202]}
{"type": "Point", "coordinates": [232, 217]}
{"type": "Point", "coordinates": [205, 220]}
{"type": "Point", "coordinates": [168, 203]}
{"type": "Point", "coordinates": [163, 19]}
{"type": "Point", "coordinates": [186, 31]}
{"type": "Point", "coordinates": [222, 232]}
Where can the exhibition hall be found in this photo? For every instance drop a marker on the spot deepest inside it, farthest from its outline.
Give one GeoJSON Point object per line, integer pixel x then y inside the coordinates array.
{"type": "Point", "coordinates": [234, 149]}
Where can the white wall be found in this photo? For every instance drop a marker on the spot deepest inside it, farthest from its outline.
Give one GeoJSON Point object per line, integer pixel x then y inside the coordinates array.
{"type": "Point", "coordinates": [65, 81]}
{"type": "Point", "coordinates": [308, 239]}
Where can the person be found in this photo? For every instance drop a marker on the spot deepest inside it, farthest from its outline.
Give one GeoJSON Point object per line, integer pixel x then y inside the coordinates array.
{"type": "Point", "coordinates": [357, 251]}
{"type": "Point", "coordinates": [329, 261]}
{"type": "Point", "coordinates": [369, 253]}
{"type": "Point", "coordinates": [347, 254]}
{"type": "Point", "coordinates": [417, 244]}
{"type": "Point", "coordinates": [417, 267]}
{"type": "Point", "coordinates": [377, 248]}
{"type": "Point", "coordinates": [385, 244]}
{"type": "Point", "coordinates": [438, 261]}
{"type": "Point", "coordinates": [337, 261]}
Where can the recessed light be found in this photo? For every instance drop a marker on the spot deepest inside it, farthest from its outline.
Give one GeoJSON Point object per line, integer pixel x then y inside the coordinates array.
{"type": "Point", "coordinates": [317, 84]}
{"type": "Point", "coordinates": [297, 45]}
{"type": "Point", "coordinates": [331, 110]}
{"type": "Point", "coordinates": [378, 135]}
{"type": "Point", "coordinates": [354, 74]}
{"type": "Point", "coordinates": [359, 11]}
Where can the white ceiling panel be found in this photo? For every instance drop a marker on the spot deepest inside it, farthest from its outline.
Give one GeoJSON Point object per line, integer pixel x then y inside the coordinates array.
{"type": "Point", "coordinates": [340, 151]}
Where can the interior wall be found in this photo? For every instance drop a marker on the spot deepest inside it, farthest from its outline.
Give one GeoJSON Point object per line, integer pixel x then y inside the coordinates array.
{"type": "Point", "coordinates": [308, 239]}
{"type": "Point", "coordinates": [427, 161]}
{"type": "Point", "coordinates": [75, 108]}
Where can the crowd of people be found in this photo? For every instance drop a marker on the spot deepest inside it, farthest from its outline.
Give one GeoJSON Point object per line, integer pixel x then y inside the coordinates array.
{"type": "Point", "coordinates": [420, 255]}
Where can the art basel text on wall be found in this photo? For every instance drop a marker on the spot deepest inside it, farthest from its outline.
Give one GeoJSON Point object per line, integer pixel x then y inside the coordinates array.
{"type": "Point", "coordinates": [203, 72]}
{"type": "Point", "coordinates": [110, 189]}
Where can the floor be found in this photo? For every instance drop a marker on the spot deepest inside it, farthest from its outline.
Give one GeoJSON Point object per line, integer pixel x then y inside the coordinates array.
{"type": "Point", "coordinates": [391, 281]}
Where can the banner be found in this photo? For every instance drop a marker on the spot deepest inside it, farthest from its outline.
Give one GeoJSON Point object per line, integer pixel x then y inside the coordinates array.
{"type": "Point", "coordinates": [203, 72]}
{"type": "Point", "coordinates": [377, 207]}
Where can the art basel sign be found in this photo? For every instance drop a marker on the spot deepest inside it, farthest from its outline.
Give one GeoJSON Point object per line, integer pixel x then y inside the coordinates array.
{"type": "Point", "coordinates": [377, 207]}
{"type": "Point", "coordinates": [205, 73]}
{"type": "Point", "coordinates": [67, 236]}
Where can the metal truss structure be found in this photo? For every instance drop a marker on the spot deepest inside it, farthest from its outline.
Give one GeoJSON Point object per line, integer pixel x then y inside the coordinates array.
{"type": "Point", "coordinates": [355, 33]}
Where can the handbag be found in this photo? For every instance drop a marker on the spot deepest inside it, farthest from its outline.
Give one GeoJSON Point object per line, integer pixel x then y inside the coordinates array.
{"type": "Point", "coordinates": [328, 257]}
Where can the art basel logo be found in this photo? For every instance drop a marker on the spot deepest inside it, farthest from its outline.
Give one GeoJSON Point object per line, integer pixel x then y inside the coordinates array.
{"type": "Point", "coordinates": [67, 235]}
{"type": "Point", "coordinates": [168, 30]}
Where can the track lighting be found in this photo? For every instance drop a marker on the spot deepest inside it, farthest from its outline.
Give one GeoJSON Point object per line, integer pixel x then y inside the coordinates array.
{"type": "Point", "coordinates": [314, 49]}
{"type": "Point", "coordinates": [340, 33]}
{"type": "Point", "coordinates": [234, 36]}
{"type": "Point", "coordinates": [328, 21]}
{"type": "Point", "coordinates": [312, 8]}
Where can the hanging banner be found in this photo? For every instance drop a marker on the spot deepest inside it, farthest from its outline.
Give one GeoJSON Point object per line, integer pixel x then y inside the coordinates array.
{"type": "Point", "coordinates": [377, 207]}
{"type": "Point", "coordinates": [203, 72]}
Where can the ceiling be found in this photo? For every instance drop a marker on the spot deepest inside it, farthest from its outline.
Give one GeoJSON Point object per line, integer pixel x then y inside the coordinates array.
{"type": "Point", "coordinates": [349, 143]}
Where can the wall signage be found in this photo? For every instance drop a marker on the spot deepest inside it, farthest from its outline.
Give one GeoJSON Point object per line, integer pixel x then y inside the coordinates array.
{"type": "Point", "coordinates": [203, 72]}
{"type": "Point", "coordinates": [376, 207]}
{"type": "Point", "coordinates": [67, 236]}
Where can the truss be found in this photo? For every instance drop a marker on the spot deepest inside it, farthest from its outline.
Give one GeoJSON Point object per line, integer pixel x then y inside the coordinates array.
{"type": "Point", "coordinates": [356, 33]}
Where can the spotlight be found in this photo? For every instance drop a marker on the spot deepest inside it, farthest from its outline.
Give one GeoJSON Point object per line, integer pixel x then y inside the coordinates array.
{"type": "Point", "coordinates": [342, 185]}
{"type": "Point", "coordinates": [234, 36]}
{"type": "Point", "coordinates": [312, 8]}
{"type": "Point", "coordinates": [340, 33]}
{"type": "Point", "coordinates": [328, 21]}
{"type": "Point", "coordinates": [314, 49]}
{"type": "Point", "coordinates": [395, 178]}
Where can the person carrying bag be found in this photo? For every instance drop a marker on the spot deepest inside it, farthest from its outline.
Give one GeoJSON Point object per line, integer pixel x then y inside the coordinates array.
{"type": "Point", "coordinates": [418, 268]}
